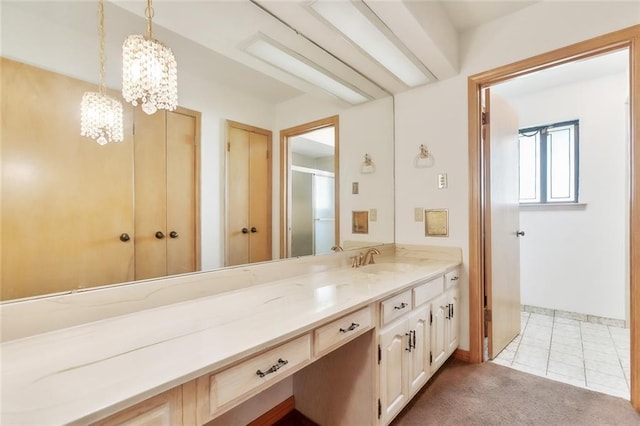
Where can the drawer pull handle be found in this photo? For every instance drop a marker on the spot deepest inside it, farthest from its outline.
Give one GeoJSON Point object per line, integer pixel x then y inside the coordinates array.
{"type": "Point", "coordinates": [454, 278]}
{"type": "Point", "coordinates": [352, 327]}
{"type": "Point", "coordinates": [402, 306]}
{"type": "Point", "coordinates": [275, 367]}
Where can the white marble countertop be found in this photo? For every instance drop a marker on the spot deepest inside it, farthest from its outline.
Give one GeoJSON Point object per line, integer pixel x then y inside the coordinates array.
{"type": "Point", "coordinates": [86, 372]}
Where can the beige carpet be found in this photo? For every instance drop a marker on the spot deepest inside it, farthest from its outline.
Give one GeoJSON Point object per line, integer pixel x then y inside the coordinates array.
{"type": "Point", "coordinates": [490, 394]}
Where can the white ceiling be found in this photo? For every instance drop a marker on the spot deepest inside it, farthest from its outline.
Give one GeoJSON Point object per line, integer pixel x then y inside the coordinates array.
{"type": "Point", "coordinates": [209, 37]}
{"type": "Point", "coordinates": [587, 69]}
{"type": "Point", "coordinates": [428, 29]}
{"type": "Point", "coordinates": [468, 14]}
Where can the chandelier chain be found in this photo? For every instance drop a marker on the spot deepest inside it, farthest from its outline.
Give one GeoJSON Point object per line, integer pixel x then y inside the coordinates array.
{"type": "Point", "coordinates": [148, 12]}
{"type": "Point", "coordinates": [103, 59]}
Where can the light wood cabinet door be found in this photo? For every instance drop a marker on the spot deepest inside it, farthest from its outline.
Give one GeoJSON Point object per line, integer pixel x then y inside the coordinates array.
{"type": "Point", "coordinates": [166, 188]}
{"type": "Point", "coordinates": [248, 192]}
{"type": "Point", "coordinates": [419, 335]}
{"type": "Point", "coordinates": [394, 391]}
{"type": "Point", "coordinates": [151, 194]}
{"type": "Point", "coordinates": [182, 233]}
{"type": "Point", "coordinates": [438, 331]}
{"type": "Point", "coordinates": [65, 199]}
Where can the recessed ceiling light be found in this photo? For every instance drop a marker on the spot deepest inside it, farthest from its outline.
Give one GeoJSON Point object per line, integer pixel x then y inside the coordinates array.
{"type": "Point", "coordinates": [292, 63]}
{"type": "Point", "coordinates": [356, 24]}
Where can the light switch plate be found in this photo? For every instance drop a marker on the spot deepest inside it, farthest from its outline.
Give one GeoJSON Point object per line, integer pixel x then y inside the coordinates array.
{"type": "Point", "coordinates": [442, 181]}
{"type": "Point", "coordinates": [417, 214]}
{"type": "Point", "coordinates": [354, 188]}
{"type": "Point", "coordinates": [373, 215]}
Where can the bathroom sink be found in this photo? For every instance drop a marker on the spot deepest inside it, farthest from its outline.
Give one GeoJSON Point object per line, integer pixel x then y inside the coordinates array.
{"type": "Point", "coordinates": [376, 268]}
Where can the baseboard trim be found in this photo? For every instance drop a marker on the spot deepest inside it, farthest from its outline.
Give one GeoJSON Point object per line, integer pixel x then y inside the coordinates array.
{"type": "Point", "coordinates": [276, 413]}
{"type": "Point", "coordinates": [462, 355]}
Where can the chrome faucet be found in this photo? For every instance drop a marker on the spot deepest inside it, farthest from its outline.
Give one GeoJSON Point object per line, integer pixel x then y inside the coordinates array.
{"type": "Point", "coordinates": [369, 254]}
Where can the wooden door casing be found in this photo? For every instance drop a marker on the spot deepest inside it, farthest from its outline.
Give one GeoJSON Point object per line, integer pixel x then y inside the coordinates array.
{"type": "Point", "coordinates": [624, 38]}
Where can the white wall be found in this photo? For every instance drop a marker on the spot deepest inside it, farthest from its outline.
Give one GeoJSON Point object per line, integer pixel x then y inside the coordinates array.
{"type": "Point", "coordinates": [436, 114]}
{"type": "Point", "coordinates": [573, 259]}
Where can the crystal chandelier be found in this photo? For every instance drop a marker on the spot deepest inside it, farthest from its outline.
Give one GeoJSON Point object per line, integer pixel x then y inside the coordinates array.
{"type": "Point", "coordinates": [100, 114]}
{"type": "Point", "coordinates": [150, 75]}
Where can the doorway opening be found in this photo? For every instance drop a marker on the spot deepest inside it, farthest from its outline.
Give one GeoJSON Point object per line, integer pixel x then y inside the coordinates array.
{"type": "Point", "coordinates": [309, 188]}
{"type": "Point", "coordinates": [480, 169]}
{"type": "Point", "coordinates": [573, 226]}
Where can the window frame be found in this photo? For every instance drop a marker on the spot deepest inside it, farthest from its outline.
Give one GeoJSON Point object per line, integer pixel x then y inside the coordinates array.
{"type": "Point", "coordinates": [543, 164]}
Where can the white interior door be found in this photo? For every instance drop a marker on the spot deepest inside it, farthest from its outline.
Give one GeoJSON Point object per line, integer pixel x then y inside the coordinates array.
{"type": "Point", "coordinates": [502, 264]}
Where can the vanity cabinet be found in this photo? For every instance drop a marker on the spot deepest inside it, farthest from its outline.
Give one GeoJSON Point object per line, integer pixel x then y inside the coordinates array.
{"type": "Point", "coordinates": [419, 332]}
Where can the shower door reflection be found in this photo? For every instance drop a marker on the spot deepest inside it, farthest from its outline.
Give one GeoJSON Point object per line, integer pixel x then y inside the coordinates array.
{"type": "Point", "coordinates": [312, 211]}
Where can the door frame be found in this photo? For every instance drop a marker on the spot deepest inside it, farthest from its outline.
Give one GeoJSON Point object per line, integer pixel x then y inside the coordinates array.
{"type": "Point", "coordinates": [269, 135]}
{"type": "Point", "coordinates": [285, 176]}
{"type": "Point", "coordinates": [479, 167]}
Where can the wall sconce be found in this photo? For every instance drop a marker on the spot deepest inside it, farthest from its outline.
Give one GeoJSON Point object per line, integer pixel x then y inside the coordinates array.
{"type": "Point", "coordinates": [367, 165]}
{"type": "Point", "coordinates": [424, 158]}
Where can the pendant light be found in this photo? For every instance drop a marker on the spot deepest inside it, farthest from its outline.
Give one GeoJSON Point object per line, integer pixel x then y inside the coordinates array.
{"type": "Point", "coordinates": [100, 114]}
{"type": "Point", "coordinates": [149, 74]}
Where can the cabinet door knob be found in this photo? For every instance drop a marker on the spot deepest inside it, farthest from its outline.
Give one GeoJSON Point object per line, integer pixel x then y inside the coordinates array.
{"type": "Point", "coordinates": [254, 229]}
{"type": "Point", "coordinates": [519, 233]}
{"type": "Point", "coordinates": [124, 237]}
{"type": "Point", "coordinates": [159, 235]}
{"type": "Point", "coordinates": [173, 234]}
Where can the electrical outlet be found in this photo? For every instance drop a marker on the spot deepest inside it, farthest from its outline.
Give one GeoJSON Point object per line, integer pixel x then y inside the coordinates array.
{"type": "Point", "coordinates": [373, 215]}
{"type": "Point", "coordinates": [418, 214]}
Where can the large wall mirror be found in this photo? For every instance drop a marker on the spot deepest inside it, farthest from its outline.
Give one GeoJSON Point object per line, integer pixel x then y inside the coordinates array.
{"type": "Point", "coordinates": [77, 187]}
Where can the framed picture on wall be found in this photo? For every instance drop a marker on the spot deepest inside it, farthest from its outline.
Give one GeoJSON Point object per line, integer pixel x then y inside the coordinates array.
{"type": "Point", "coordinates": [360, 222]}
{"type": "Point", "coordinates": [436, 223]}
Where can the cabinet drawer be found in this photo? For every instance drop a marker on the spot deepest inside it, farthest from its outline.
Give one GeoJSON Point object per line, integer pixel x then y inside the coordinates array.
{"type": "Point", "coordinates": [162, 409]}
{"type": "Point", "coordinates": [451, 278]}
{"type": "Point", "coordinates": [342, 330]}
{"type": "Point", "coordinates": [395, 306]}
{"type": "Point", "coordinates": [239, 382]}
{"type": "Point", "coordinates": [427, 291]}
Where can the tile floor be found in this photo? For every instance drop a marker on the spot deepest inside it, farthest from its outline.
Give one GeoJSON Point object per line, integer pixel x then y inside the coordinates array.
{"type": "Point", "coordinates": [584, 354]}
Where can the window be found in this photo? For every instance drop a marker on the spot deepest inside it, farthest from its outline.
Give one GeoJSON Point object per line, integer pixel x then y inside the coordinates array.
{"type": "Point", "coordinates": [549, 163]}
